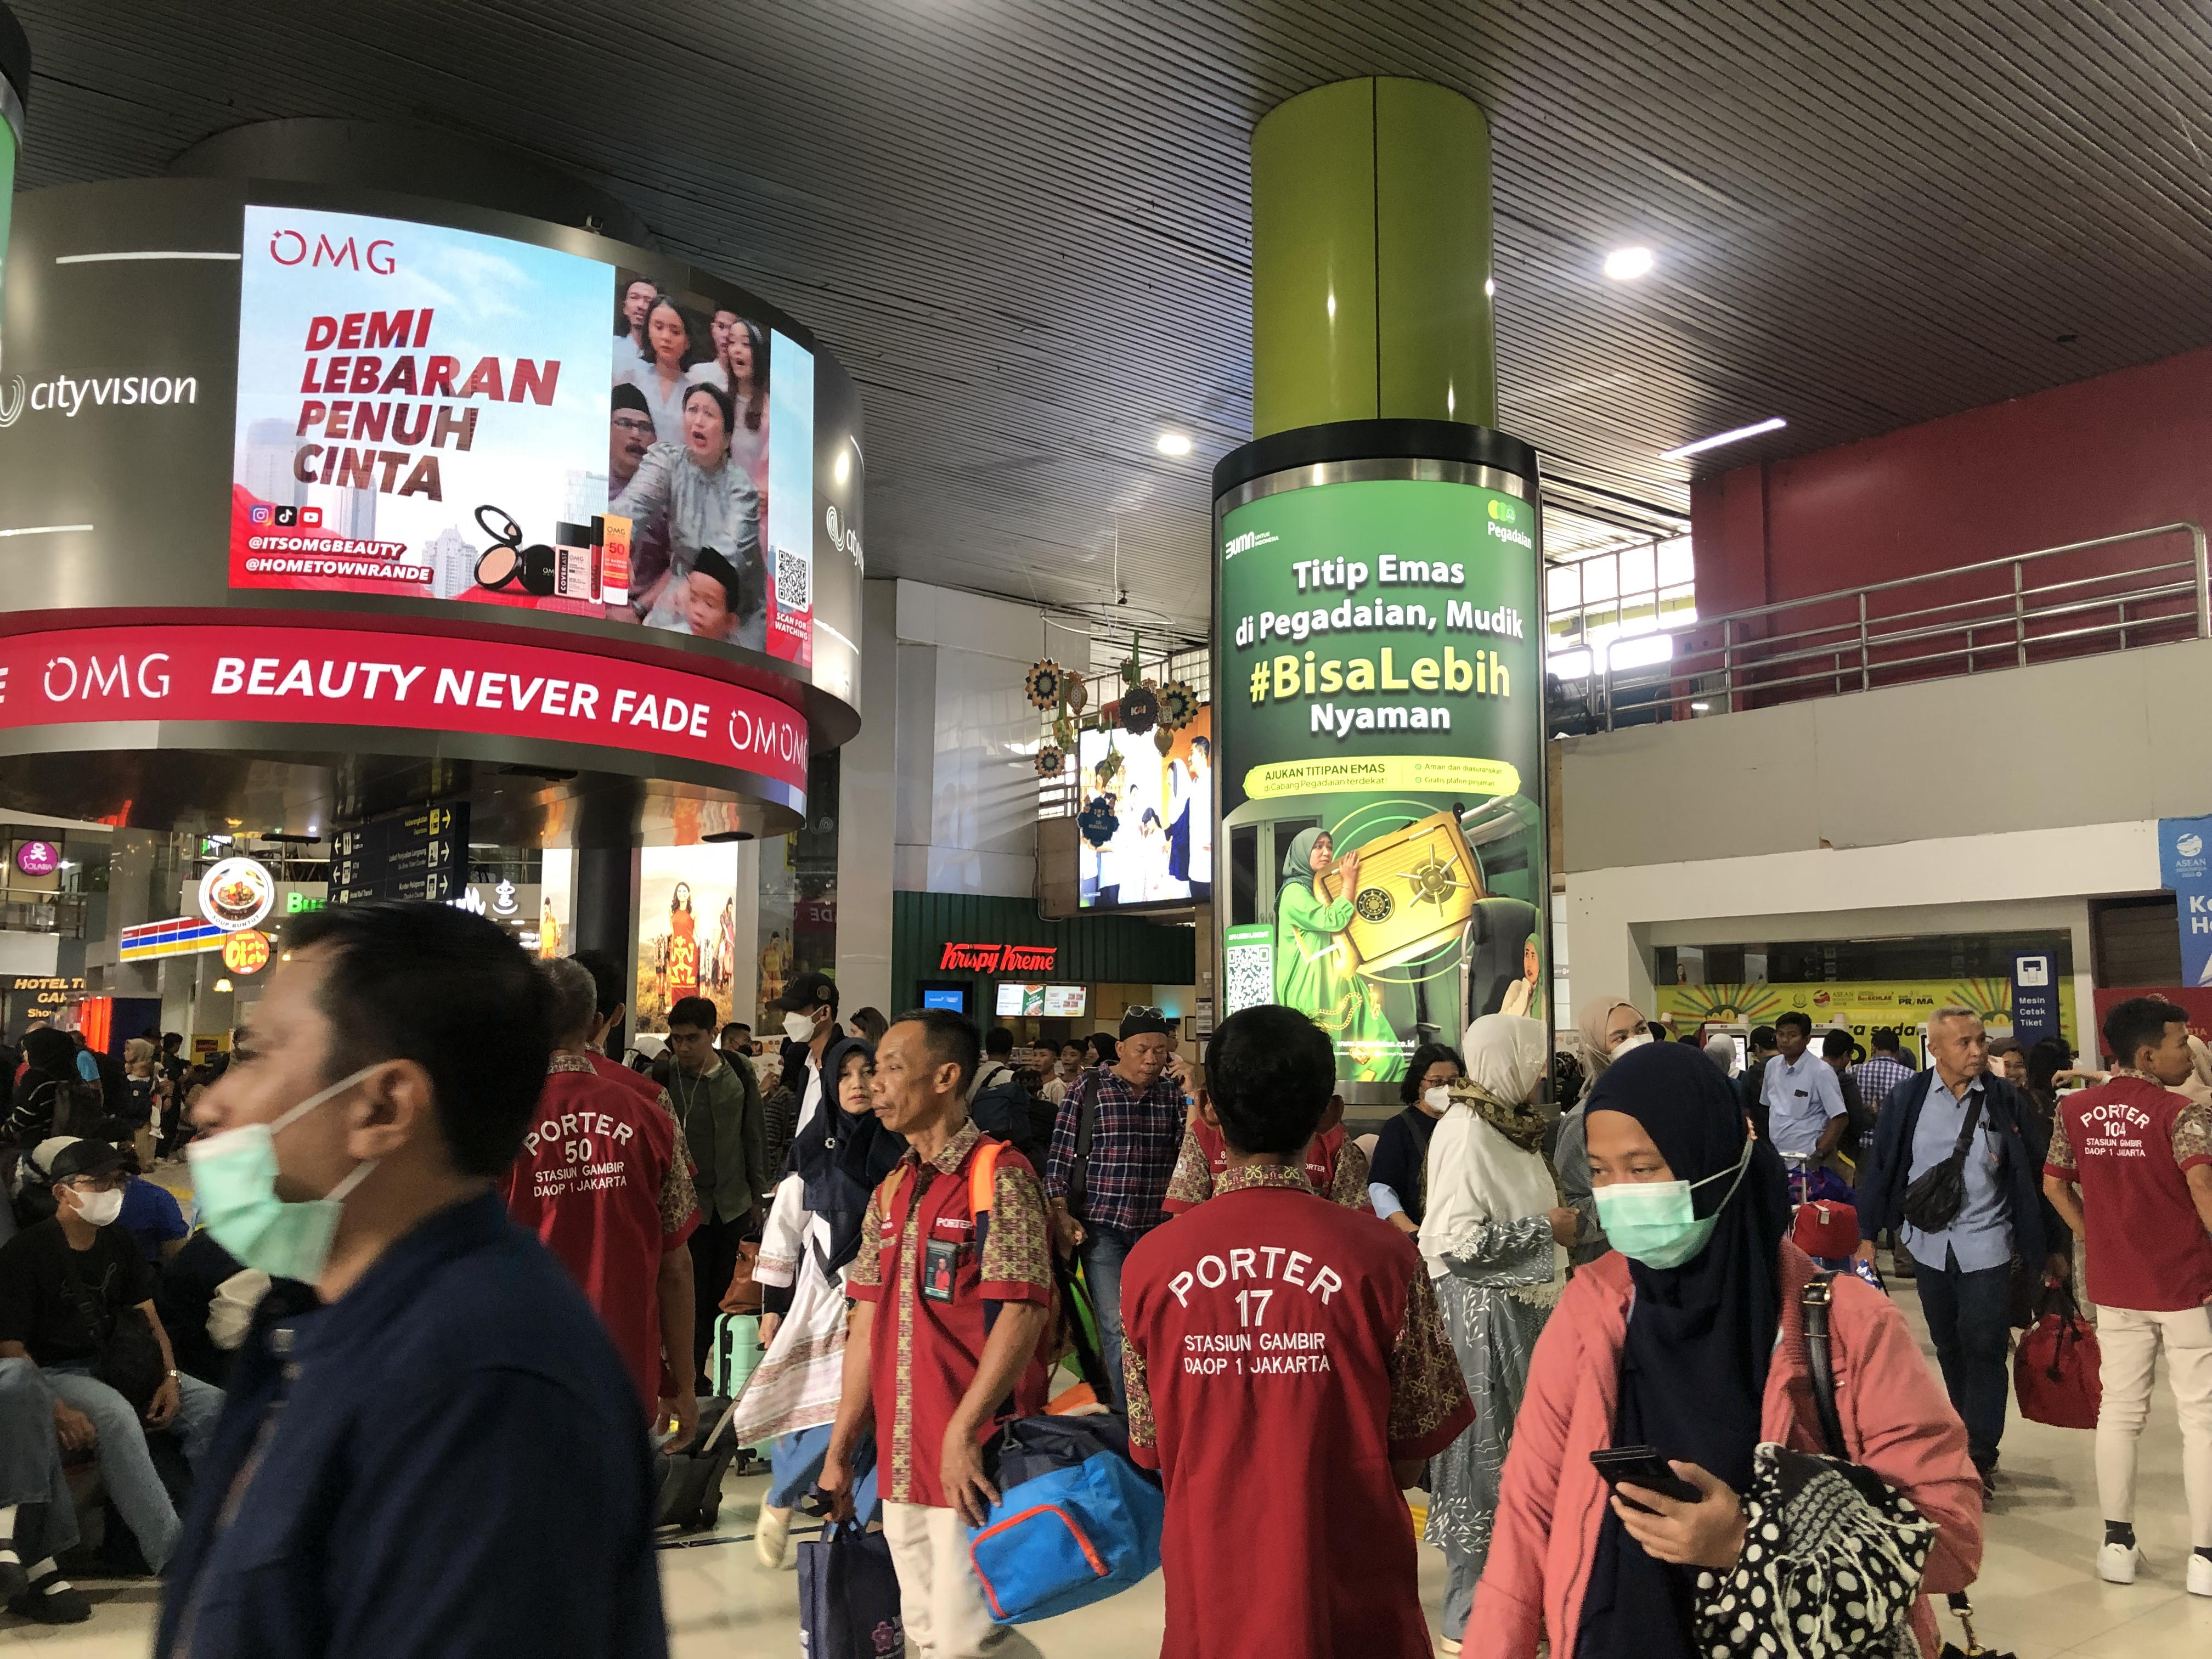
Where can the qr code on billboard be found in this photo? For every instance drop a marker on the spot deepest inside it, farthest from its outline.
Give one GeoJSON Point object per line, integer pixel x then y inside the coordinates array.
{"type": "Point", "coordinates": [794, 580]}
{"type": "Point", "coordinates": [1251, 976]}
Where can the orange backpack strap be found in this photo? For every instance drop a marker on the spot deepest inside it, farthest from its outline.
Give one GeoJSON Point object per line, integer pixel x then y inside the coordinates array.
{"type": "Point", "coordinates": [983, 1176]}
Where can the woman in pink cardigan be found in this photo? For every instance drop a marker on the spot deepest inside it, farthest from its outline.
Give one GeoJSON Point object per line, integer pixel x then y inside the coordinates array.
{"type": "Point", "coordinates": [1689, 1337]}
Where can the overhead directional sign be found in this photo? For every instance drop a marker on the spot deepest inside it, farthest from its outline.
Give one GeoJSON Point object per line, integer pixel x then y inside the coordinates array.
{"type": "Point", "coordinates": [422, 853]}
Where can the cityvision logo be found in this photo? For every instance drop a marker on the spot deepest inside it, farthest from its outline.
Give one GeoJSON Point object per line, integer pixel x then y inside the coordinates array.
{"type": "Point", "coordinates": [66, 395]}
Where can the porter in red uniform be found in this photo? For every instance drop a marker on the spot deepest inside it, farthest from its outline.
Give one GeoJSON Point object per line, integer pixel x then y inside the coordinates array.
{"type": "Point", "coordinates": [1334, 1167]}
{"type": "Point", "coordinates": [1282, 1354]}
{"type": "Point", "coordinates": [2142, 1155]}
{"type": "Point", "coordinates": [605, 1182]}
{"type": "Point", "coordinates": [945, 1331]}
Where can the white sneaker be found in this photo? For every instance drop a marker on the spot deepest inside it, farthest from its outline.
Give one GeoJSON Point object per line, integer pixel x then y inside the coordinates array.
{"type": "Point", "coordinates": [2200, 1574]}
{"type": "Point", "coordinates": [2116, 1565]}
{"type": "Point", "coordinates": [773, 1530]}
{"type": "Point", "coordinates": [1445, 1645]}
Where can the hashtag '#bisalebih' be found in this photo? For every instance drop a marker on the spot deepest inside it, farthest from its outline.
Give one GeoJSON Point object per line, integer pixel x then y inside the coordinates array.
{"type": "Point", "coordinates": [1260, 682]}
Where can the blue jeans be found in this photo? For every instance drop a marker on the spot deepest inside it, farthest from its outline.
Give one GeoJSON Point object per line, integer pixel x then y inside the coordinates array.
{"type": "Point", "coordinates": [124, 1465]}
{"type": "Point", "coordinates": [1969, 1319]}
{"type": "Point", "coordinates": [30, 1456]}
{"type": "Point", "coordinates": [1102, 1252]}
{"type": "Point", "coordinates": [795, 1464]}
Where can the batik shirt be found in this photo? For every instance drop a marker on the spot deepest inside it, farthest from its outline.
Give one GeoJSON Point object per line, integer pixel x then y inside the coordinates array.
{"type": "Point", "coordinates": [924, 1348]}
{"type": "Point", "coordinates": [1281, 1352]}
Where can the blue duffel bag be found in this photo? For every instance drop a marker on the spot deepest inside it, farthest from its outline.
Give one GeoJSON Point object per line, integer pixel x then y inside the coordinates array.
{"type": "Point", "coordinates": [1076, 1521]}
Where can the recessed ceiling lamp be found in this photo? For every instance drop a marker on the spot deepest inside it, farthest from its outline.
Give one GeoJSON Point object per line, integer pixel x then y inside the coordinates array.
{"type": "Point", "coordinates": [223, 985]}
{"type": "Point", "coordinates": [1171, 442]}
{"type": "Point", "coordinates": [1626, 264]}
{"type": "Point", "coordinates": [1490, 288]}
{"type": "Point", "coordinates": [1774, 425]}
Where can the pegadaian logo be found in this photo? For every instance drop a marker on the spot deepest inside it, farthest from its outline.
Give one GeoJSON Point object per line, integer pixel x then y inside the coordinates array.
{"type": "Point", "coordinates": [2189, 844]}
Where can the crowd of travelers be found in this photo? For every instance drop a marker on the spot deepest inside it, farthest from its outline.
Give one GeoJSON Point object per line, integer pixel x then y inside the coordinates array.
{"type": "Point", "coordinates": [460, 1273]}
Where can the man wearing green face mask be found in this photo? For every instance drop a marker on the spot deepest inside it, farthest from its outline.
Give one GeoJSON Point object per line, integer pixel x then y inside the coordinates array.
{"type": "Point", "coordinates": [426, 1398]}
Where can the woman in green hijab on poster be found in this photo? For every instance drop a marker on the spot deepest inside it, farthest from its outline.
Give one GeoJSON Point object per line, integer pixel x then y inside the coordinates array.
{"type": "Point", "coordinates": [1313, 960]}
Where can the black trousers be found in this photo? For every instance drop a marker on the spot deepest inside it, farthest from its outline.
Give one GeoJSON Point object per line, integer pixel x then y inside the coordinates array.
{"type": "Point", "coordinates": [713, 1259]}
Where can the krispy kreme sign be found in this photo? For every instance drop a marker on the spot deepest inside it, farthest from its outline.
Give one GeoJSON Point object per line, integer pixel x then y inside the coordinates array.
{"type": "Point", "coordinates": [998, 958]}
{"type": "Point", "coordinates": [296, 676]}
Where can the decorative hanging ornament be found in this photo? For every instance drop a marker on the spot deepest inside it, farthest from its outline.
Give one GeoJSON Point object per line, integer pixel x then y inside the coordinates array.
{"type": "Point", "coordinates": [1141, 711]}
{"type": "Point", "coordinates": [1178, 705]}
{"type": "Point", "coordinates": [1063, 733]}
{"type": "Point", "coordinates": [1049, 760]}
{"type": "Point", "coordinates": [1043, 684]}
{"type": "Point", "coordinates": [1163, 740]}
{"type": "Point", "coordinates": [1110, 766]}
{"type": "Point", "coordinates": [1072, 689]}
{"type": "Point", "coordinates": [1098, 821]}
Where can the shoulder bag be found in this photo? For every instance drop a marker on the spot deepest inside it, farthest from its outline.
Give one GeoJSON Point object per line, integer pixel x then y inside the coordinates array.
{"type": "Point", "coordinates": [1820, 1358]}
{"type": "Point", "coordinates": [1933, 1201]}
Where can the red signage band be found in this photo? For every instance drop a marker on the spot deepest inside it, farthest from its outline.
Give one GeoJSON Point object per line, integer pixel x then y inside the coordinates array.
{"type": "Point", "coordinates": [418, 682]}
{"type": "Point", "coordinates": [998, 958]}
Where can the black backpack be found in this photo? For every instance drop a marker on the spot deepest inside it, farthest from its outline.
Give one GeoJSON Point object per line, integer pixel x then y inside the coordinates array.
{"type": "Point", "coordinates": [1004, 1109]}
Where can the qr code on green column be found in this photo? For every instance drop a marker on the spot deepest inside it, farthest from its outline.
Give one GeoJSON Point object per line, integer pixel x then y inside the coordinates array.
{"type": "Point", "coordinates": [1250, 966]}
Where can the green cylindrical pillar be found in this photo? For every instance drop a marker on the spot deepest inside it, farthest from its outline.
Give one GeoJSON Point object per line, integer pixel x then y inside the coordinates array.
{"type": "Point", "coordinates": [1372, 259]}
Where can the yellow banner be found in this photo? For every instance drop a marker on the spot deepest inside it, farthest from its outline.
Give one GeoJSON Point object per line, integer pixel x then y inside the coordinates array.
{"type": "Point", "coordinates": [1455, 775]}
{"type": "Point", "coordinates": [1860, 1004]}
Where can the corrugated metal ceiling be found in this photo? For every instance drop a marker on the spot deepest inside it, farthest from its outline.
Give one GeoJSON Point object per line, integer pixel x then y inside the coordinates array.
{"type": "Point", "coordinates": [1024, 226]}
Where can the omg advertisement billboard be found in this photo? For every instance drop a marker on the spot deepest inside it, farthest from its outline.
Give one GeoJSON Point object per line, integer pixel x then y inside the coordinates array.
{"type": "Point", "coordinates": [1378, 711]}
{"type": "Point", "coordinates": [336, 400]}
{"type": "Point", "coordinates": [442, 414]}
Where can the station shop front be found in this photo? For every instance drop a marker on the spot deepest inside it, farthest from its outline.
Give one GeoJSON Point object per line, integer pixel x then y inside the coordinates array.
{"type": "Point", "coordinates": [999, 963]}
{"type": "Point", "coordinates": [411, 549]}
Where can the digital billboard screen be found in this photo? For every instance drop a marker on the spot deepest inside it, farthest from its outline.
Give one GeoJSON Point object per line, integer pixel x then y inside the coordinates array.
{"type": "Point", "coordinates": [438, 413]}
{"type": "Point", "coordinates": [1160, 850]}
{"type": "Point", "coordinates": [1383, 761]}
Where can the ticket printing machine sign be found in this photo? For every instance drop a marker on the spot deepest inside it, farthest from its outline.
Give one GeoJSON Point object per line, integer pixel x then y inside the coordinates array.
{"type": "Point", "coordinates": [1380, 722]}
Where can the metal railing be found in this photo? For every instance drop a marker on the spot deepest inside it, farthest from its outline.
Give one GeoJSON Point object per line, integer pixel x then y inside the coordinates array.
{"type": "Point", "coordinates": [41, 910]}
{"type": "Point", "coordinates": [1853, 640]}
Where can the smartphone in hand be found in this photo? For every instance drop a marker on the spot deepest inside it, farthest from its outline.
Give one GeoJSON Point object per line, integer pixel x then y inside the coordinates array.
{"type": "Point", "coordinates": [1642, 1465]}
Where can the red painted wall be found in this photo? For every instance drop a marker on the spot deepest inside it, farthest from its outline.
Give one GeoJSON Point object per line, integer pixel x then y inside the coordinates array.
{"type": "Point", "coordinates": [2123, 451]}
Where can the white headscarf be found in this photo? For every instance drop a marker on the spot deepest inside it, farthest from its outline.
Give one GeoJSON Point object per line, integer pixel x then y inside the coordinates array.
{"type": "Point", "coordinates": [1476, 1177]}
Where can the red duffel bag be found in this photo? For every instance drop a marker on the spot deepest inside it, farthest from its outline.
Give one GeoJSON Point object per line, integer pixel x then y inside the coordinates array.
{"type": "Point", "coordinates": [2055, 1370]}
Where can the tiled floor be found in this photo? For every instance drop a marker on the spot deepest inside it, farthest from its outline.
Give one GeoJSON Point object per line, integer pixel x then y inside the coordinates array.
{"type": "Point", "coordinates": [2038, 1597]}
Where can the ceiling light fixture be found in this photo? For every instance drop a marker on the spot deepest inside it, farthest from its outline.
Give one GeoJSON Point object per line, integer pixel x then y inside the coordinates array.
{"type": "Point", "coordinates": [1626, 264]}
{"type": "Point", "coordinates": [1171, 442]}
{"type": "Point", "coordinates": [223, 985]}
{"type": "Point", "coordinates": [1700, 708]}
{"type": "Point", "coordinates": [1679, 451]}
{"type": "Point", "coordinates": [1490, 288]}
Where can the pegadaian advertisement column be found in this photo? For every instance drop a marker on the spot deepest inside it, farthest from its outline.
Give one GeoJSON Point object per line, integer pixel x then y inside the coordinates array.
{"type": "Point", "coordinates": [1378, 658]}
{"type": "Point", "coordinates": [1378, 713]}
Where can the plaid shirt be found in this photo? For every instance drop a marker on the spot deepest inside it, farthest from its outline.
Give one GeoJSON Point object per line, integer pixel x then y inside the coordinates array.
{"type": "Point", "coordinates": [1876, 1076]}
{"type": "Point", "coordinates": [1134, 1145]}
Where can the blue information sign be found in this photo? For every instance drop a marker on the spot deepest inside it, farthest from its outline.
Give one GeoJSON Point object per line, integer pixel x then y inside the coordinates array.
{"type": "Point", "coordinates": [2184, 862]}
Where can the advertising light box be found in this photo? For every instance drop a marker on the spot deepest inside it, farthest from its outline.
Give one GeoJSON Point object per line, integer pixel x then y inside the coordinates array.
{"type": "Point", "coordinates": [1379, 707]}
{"type": "Point", "coordinates": [1065, 1001]}
{"type": "Point", "coordinates": [442, 414]}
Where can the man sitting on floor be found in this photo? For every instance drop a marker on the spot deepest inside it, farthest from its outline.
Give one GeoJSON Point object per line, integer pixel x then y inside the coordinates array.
{"type": "Point", "coordinates": [73, 1293]}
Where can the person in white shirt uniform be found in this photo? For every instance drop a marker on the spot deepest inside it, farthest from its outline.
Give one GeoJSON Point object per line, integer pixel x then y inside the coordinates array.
{"type": "Point", "coordinates": [1805, 1112]}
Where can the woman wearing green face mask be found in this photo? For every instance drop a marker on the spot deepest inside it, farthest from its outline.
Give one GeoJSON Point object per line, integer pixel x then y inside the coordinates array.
{"type": "Point", "coordinates": [1689, 1338]}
